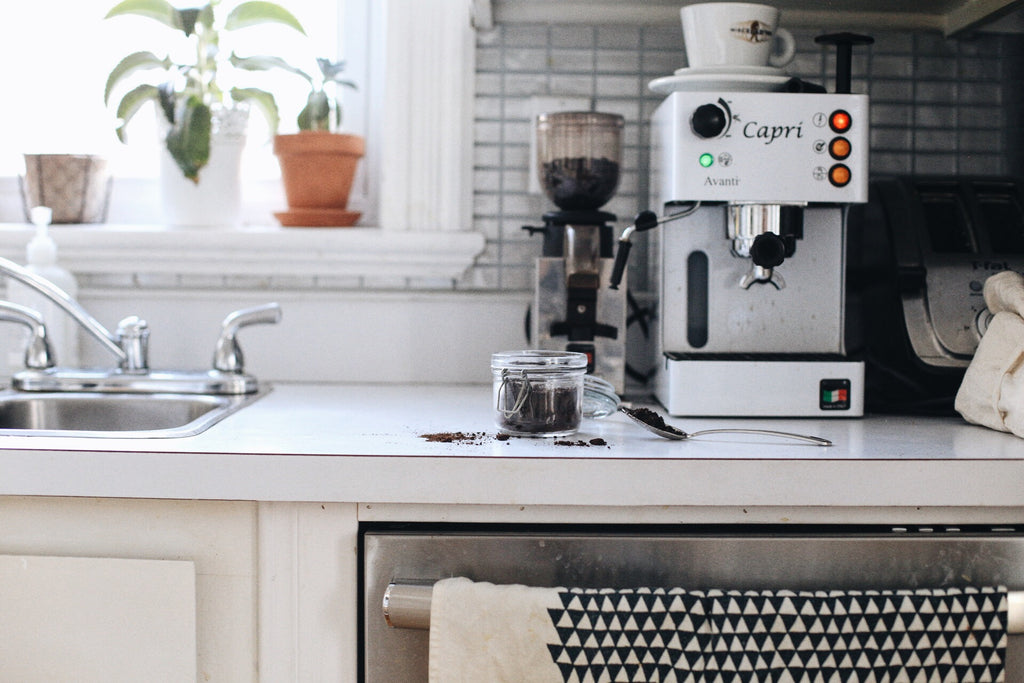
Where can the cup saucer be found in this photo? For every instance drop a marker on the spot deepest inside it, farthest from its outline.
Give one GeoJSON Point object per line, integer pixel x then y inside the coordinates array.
{"type": "Point", "coordinates": [731, 69]}
{"type": "Point", "coordinates": [720, 80]}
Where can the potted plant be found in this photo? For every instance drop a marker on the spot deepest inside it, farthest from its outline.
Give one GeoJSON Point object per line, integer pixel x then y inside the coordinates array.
{"type": "Point", "coordinates": [205, 124]}
{"type": "Point", "coordinates": [319, 163]}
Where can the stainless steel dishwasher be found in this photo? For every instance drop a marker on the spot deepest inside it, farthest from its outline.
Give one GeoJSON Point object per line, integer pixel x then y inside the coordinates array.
{"type": "Point", "coordinates": [799, 558]}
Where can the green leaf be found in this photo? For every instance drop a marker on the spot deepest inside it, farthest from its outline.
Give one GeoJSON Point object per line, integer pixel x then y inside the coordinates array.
{"type": "Point", "coordinates": [263, 100]}
{"type": "Point", "coordinates": [168, 100]}
{"type": "Point", "coordinates": [129, 65]}
{"type": "Point", "coordinates": [188, 18]}
{"type": "Point", "coordinates": [261, 12]}
{"type": "Point", "coordinates": [131, 103]}
{"type": "Point", "coordinates": [160, 10]}
{"type": "Point", "coordinates": [188, 141]}
{"type": "Point", "coordinates": [316, 115]}
{"type": "Point", "coordinates": [266, 63]}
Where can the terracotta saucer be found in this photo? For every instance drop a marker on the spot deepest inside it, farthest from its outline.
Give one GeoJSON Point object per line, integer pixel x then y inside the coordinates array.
{"type": "Point", "coordinates": [317, 218]}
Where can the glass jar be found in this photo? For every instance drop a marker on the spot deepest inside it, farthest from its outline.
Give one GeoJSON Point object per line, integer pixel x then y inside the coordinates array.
{"type": "Point", "coordinates": [538, 393]}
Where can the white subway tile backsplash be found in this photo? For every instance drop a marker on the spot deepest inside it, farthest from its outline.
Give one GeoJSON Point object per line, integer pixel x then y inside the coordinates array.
{"type": "Point", "coordinates": [619, 86]}
{"type": "Point", "coordinates": [488, 108]}
{"type": "Point", "coordinates": [486, 156]}
{"type": "Point", "coordinates": [618, 62]}
{"type": "Point", "coordinates": [526, 84]}
{"type": "Point", "coordinates": [571, 61]}
{"type": "Point", "coordinates": [488, 181]}
{"type": "Point", "coordinates": [936, 108]}
{"type": "Point", "coordinates": [619, 38]}
{"type": "Point", "coordinates": [524, 35]}
{"type": "Point", "coordinates": [562, 85]}
{"type": "Point", "coordinates": [662, 37]}
{"type": "Point", "coordinates": [526, 59]}
{"type": "Point", "coordinates": [572, 36]}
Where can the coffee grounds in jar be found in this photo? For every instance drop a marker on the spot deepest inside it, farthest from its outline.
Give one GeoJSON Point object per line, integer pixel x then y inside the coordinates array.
{"type": "Point", "coordinates": [580, 183]}
{"type": "Point", "coordinates": [544, 410]}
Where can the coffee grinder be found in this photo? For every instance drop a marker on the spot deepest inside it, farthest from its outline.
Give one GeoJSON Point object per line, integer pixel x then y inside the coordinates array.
{"type": "Point", "coordinates": [752, 283]}
{"type": "Point", "coordinates": [578, 158]}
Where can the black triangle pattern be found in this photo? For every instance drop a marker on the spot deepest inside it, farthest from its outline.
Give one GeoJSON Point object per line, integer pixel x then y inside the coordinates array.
{"type": "Point", "coordinates": [657, 635]}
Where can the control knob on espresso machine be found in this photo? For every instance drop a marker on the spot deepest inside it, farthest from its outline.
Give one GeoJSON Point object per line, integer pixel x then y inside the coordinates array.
{"type": "Point", "coordinates": [710, 120]}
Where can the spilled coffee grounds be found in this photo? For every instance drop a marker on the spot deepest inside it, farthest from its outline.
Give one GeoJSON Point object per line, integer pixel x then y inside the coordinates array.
{"type": "Point", "coordinates": [455, 437]}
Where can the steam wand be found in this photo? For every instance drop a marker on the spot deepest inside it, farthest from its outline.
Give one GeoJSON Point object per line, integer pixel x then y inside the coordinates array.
{"type": "Point", "coordinates": [645, 220]}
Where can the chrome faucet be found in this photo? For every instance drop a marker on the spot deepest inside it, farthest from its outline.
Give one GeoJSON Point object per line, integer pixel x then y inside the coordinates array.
{"type": "Point", "coordinates": [130, 345]}
{"type": "Point", "coordinates": [72, 307]}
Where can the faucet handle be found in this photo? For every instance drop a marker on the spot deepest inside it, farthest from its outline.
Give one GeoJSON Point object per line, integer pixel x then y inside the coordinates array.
{"type": "Point", "coordinates": [38, 354]}
{"type": "Point", "coordinates": [133, 336]}
{"type": "Point", "coordinates": [227, 357]}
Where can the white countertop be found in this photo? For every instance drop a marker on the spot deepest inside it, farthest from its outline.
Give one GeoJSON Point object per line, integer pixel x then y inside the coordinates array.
{"type": "Point", "coordinates": [363, 443]}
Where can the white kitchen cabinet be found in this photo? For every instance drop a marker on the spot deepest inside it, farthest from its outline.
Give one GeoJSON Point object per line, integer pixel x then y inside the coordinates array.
{"type": "Point", "coordinates": [217, 538]}
{"type": "Point", "coordinates": [97, 620]}
{"type": "Point", "coordinates": [273, 597]}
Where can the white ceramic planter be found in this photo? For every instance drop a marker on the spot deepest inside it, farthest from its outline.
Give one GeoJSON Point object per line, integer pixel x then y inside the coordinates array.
{"type": "Point", "coordinates": [216, 200]}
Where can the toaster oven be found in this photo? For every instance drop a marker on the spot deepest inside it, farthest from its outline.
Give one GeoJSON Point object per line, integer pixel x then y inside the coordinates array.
{"type": "Point", "coordinates": [920, 251]}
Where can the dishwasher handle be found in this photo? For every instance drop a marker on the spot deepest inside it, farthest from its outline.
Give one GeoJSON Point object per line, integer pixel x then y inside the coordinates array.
{"type": "Point", "coordinates": [407, 605]}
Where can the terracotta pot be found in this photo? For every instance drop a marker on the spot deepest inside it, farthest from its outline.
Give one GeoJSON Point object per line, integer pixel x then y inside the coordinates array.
{"type": "Point", "coordinates": [317, 168]}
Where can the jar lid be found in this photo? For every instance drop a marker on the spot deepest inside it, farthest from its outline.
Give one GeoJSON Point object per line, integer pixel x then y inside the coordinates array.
{"type": "Point", "coordinates": [539, 360]}
{"type": "Point", "coordinates": [589, 119]}
{"type": "Point", "coordinates": [599, 398]}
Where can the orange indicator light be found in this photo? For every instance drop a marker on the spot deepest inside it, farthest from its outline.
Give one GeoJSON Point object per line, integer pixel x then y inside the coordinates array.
{"type": "Point", "coordinates": [839, 175]}
{"type": "Point", "coordinates": [839, 148]}
{"type": "Point", "coordinates": [840, 121]}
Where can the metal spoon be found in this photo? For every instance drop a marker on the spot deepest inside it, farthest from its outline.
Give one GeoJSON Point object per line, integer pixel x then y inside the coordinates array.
{"type": "Point", "coordinates": [652, 422]}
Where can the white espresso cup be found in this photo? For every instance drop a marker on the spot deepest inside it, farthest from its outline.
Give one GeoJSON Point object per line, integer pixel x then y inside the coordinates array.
{"type": "Point", "coordinates": [734, 34]}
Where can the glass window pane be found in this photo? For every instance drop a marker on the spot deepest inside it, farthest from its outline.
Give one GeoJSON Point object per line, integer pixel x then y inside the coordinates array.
{"type": "Point", "coordinates": [58, 54]}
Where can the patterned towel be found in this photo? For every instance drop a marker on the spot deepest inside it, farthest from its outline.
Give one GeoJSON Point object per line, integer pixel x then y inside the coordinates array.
{"type": "Point", "coordinates": [483, 632]}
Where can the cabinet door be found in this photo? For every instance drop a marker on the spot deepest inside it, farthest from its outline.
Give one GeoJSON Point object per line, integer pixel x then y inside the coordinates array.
{"type": "Point", "coordinates": [97, 619]}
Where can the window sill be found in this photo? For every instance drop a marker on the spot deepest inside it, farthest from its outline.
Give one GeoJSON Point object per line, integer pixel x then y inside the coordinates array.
{"type": "Point", "coordinates": [371, 255]}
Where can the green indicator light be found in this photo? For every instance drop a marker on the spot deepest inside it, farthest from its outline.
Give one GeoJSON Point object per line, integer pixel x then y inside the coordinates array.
{"type": "Point", "coordinates": [706, 160]}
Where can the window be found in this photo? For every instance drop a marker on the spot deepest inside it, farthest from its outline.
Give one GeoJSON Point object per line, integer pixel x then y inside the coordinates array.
{"type": "Point", "coordinates": [59, 71]}
{"type": "Point", "coordinates": [413, 61]}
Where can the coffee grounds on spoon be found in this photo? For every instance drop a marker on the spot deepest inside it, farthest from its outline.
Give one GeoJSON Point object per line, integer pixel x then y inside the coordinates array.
{"type": "Point", "coordinates": [649, 417]}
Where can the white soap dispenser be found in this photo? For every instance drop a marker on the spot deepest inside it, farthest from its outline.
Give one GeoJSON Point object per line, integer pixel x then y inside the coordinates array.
{"type": "Point", "coordinates": [41, 257]}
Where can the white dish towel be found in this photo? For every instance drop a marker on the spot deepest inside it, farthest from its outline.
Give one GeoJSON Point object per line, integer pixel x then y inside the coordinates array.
{"type": "Point", "coordinates": [992, 391]}
{"type": "Point", "coordinates": [486, 633]}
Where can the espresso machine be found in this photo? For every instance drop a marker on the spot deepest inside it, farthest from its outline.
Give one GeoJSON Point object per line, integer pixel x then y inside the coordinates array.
{"type": "Point", "coordinates": [752, 282]}
{"type": "Point", "coordinates": [578, 157]}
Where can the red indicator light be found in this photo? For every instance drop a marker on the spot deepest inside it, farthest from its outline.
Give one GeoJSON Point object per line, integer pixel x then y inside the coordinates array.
{"type": "Point", "coordinates": [839, 121]}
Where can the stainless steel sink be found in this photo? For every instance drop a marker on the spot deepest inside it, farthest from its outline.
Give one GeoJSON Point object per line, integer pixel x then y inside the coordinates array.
{"type": "Point", "coordinates": [114, 415]}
